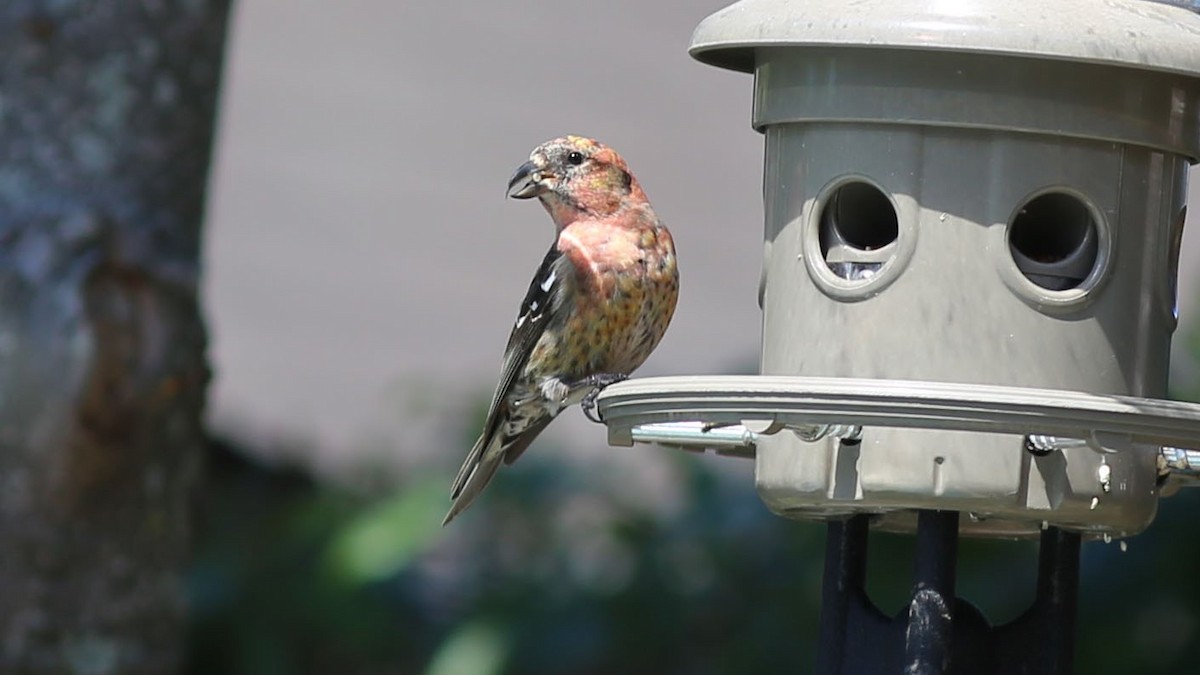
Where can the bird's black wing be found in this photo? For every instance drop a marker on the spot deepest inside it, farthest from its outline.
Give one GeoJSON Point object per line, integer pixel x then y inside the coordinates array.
{"type": "Point", "coordinates": [543, 303]}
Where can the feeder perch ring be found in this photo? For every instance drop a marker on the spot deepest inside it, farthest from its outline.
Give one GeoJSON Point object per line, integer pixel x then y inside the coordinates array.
{"type": "Point", "coordinates": [727, 413]}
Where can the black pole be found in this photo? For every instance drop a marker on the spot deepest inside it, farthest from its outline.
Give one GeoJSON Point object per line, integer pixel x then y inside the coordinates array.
{"type": "Point", "coordinates": [1042, 640]}
{"type": "Point", "coordinates": [939, 634]}
{"type": "Point", "coordinates": [1058, 589]}
{"type": "Point", "coordinates": [845, 573]}
{"type": "Point", "coordinates": [929, 636]}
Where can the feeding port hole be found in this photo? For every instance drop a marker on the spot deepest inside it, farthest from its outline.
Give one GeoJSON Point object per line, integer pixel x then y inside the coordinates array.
{"type": "Point", "coordinates": [1054, 241]}
{"type": "Point", "coordinates": [858, 230]}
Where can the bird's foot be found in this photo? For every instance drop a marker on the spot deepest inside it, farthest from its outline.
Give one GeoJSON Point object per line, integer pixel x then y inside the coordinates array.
{"type": "Point", "coordinates": [597, 383]}
{"type": "Point", "coordinates": [555, 394]}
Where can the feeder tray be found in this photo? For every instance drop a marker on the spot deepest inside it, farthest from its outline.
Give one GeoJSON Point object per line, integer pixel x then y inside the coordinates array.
{"type": "Point", "coordinates": [733, 414]}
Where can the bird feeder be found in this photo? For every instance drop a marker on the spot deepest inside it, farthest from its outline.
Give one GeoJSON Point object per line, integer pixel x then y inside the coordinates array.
{"type": "Point", "coordinates": [973, 219]}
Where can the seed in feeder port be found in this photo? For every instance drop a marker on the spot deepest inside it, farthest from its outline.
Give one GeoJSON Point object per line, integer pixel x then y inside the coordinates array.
{"type": "Point", "coordinates": [1124, 546]}
{"type": "Point", "coordinates": [1104, 473]}
{"type": "Point", "coordinates": [1095, 501]}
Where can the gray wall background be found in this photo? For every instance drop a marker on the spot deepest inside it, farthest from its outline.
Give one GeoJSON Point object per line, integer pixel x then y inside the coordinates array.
{"type": "Point", "coordinates": [363, 268]}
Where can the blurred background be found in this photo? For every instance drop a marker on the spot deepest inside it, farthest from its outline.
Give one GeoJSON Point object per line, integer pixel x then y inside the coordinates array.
{"type": "Point", "coordinates": [362, 270]}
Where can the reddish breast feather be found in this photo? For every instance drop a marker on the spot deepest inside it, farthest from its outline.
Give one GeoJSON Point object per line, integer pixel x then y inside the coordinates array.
{"type": "Point", "coordinates": [598, 250]}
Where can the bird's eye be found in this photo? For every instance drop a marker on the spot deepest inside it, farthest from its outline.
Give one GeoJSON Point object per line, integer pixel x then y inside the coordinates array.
{"type": "Point", "coordinates": [575, 158]}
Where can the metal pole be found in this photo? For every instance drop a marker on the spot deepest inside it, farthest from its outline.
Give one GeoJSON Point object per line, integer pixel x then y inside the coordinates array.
{"type": "Point", "coordinates": [929, 636]}
{"type": "Point", "coordinates": [845, 573]}
{"type": "Point", "coordinates": [1058, 594]}
{"type": "Point", "coordinates": [939, 634]}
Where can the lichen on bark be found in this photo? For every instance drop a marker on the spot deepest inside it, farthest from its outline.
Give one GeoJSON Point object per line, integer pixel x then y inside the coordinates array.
{"type": "Point", "coordinates": [106, 124]}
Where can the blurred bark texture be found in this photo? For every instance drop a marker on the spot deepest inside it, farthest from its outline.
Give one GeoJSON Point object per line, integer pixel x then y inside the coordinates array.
{"type": "Point", "coordinates": [106, 125]}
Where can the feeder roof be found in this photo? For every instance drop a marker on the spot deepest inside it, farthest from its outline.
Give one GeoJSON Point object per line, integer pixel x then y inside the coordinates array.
{"type": "Point", "coordinates": [1160, 36]}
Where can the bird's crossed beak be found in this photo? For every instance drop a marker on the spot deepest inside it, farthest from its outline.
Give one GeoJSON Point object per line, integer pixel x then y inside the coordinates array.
{"type": "Point", "coordinates": [526, 182]}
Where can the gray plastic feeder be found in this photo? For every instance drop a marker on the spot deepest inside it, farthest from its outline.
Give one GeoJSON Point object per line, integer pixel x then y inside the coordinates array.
{"type": "Point", "coordinates": [973, 218]}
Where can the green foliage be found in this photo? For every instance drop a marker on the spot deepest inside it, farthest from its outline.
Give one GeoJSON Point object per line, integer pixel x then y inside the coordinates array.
{"type": "Point", "coordinates": [559, 571]}
{"type": "Point", "coordinates": [476, 647]}
{"type": "Point", "coordinates": [379, 542]}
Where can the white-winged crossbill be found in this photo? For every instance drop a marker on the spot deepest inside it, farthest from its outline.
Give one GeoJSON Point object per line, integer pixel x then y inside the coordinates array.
{"type": "Point", "coordinates": [597, 307]}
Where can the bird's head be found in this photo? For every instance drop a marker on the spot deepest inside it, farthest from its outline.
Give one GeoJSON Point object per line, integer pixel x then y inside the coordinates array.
{"type": "Point", "coordinates": [574, 177]}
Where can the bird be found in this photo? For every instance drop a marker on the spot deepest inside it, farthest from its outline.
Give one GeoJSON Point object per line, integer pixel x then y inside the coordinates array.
{"type": "Point", "coordinates": [597, 306]}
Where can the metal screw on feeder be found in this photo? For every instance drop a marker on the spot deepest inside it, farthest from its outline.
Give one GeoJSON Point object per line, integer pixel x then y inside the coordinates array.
{"type": "Point", "coordinates": [973, 217]}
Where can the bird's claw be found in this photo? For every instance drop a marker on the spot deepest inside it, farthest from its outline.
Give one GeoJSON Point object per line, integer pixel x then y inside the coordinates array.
{"type": "Point", "coordinates": [588, 404]}
{"type": "Point", "coordinates": [597, 383]}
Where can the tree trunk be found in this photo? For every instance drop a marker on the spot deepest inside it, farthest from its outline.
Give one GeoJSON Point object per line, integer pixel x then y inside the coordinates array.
{"type": "Point", "coordinates": [106, 113]}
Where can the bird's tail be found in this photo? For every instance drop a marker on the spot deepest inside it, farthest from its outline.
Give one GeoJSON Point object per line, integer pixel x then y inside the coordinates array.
{"type": "Point", "coordinates": [474, 475]}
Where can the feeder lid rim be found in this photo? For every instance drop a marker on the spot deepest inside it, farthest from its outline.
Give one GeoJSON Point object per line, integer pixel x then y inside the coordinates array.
{"type": "Point", "coordinates": [1158, 35]}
